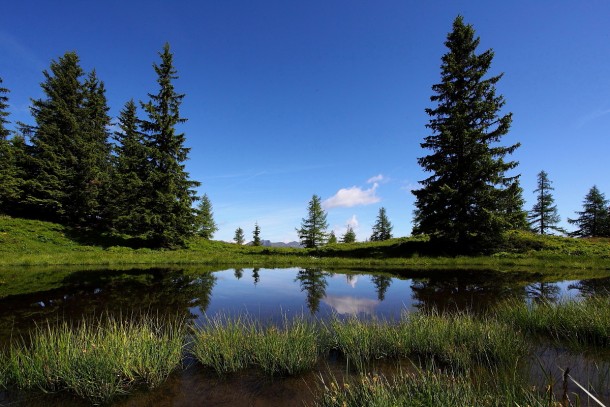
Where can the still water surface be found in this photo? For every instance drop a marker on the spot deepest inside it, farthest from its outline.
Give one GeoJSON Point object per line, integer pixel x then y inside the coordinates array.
{"type": "Point", "coordinates": [268, 294]}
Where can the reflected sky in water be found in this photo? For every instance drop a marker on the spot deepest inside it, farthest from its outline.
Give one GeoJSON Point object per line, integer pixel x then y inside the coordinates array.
{"type": "Point", "coordinates": [294, 291]}
{"type": "Point", "coordinates": [271, 294]}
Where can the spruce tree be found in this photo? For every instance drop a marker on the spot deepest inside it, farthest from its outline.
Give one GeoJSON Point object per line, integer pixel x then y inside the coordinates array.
{"type": "Point", "coordinates": [172, 218]}
{"type": "Point", "coordinates": [313, 228]}
{"type": "Point", "coordinates": [130, 206]}
{"type": "Point", "coordinates": [382, 229]}
{"type": "Point", "coordinates": [89, 196]}
{"type": "Point", "coordinates": [256, 235]}
{"type": "Point", "coordinates": [56, 138]}
{"type": "Point", "coordinates": [205, 225]}
{"type": "Point", "coordinates": [543, 216]}
{"type": "Point", "coordinates": [593, 220]}
{"type": "Point", "coordinates": [468, 200]}
{"type": "Point", "coordinates": [349, 236]}
{"type": "Point", "coordinates": [239, 236]}
{"type": "Point", "coordinates": [9, 180]}
{"type": "Point", "coordinates": [332, 238]}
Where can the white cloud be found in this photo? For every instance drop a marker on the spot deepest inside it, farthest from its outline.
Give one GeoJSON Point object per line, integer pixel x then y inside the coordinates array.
{"type": "Point", "coordinates": [354, 196]}
{"type": "Point", "coordinates": [353, 222]}
{"type": "Point", "coordinates": [375, 179]}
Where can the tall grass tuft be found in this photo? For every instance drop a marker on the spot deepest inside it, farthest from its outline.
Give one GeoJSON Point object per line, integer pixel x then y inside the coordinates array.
{"type": "Point", "coordinates": [289, 349]}
{"type": "Point", "coordinates": [228, 345]}
{"type": "Point", "coordinates": [585, 322]}
{"type": "Point", "coordinates": [422, 389]}
{"type": "Point", "coordinates": [224, 344]}
{"type": "Point", "coordinates": [457, 341]}
{"type": "Point", "coordinates": [96, 360]}
{"type": "Point", "coordinates": [361, 342]}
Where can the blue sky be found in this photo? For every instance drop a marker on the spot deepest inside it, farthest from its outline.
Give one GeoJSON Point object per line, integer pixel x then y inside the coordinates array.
{"type": "Point", "coordinates": [287, 99]}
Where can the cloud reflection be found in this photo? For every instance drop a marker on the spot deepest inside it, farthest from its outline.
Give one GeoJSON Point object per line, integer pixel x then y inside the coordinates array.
{"type": "Point", "coordinates": [351, 305]}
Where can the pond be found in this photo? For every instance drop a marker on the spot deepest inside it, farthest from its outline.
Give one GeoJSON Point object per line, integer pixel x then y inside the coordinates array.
{"type": "Point", "coordinates": [268, 295]}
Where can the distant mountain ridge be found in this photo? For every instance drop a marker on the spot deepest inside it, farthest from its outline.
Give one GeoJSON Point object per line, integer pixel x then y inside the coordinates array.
{"type": "Point", "coordinates": [268, 243]}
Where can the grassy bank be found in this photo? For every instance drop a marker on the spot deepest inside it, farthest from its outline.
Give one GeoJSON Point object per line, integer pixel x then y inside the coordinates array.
{"type": "Point", "coordinates": [96, 360]}
{"type": "Point", "coordinates": [32, 243]}
{"type": "Point", "coordinates": [100, 359]}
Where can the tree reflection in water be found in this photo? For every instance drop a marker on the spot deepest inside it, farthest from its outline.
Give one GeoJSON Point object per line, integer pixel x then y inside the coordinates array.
{"type": "Point", "coordinates": [543, 292]}
{"type": "Point", "coordinates": [593, 286]}
{"type": "Point", "coordinates": [118, 293]}
{"type": "Point", "coordinates": [381, 283]}
{"type": "Point", "coordinates": [464, 290]}
{"type": "Point", "coordinates": [314, 282]}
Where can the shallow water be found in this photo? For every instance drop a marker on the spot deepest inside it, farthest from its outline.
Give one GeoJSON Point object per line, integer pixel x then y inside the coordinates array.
{"type": "Point", "coordinates": [269, 295]}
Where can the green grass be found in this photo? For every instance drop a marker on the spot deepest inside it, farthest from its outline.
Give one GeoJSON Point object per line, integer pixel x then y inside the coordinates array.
{"type": "Point", "coordinates": [224, 344]}
{"type": "Point", "coordinates": [34, 243]}
{"type": "Point", "coordinates": [585, 322]}
{"type": "Point", "coordinates": [425, 388]}
{"type": "Point", "coordinates": [96, 359]}
{"type": "Point", "coordinates": [458, 341]}
{"type": "Point", "coordinates": [228, 345]}
{"type": "Point", "coordinates": [99, 359]}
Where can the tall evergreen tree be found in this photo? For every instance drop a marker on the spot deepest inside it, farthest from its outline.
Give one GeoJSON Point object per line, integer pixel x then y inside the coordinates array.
{"type": "Point", "coordinates": [382, 229]}
{"type": "Point", "coordinates": [593, 220]}
{"type": "Point", "coordinates": [172, 218]}
{"type": "Point", "coordinates": [256, 235]}
{"type": "Point", "coordinates": [313, 228]}
{"type": "Point", "coordinates": [239, 236]}
{"type": "Point", "coordinates": [130, 206]}
{"type": "Point", "coordinates": [349, 236]}
{"type": "Point", "coordinates": [9, 180]}
{"type": "Point", "coordinates": [205, 225]}
{"type": "Point", "coordinates": [543, 216]}
{"type": "Point", "coordinates": [90, 189]}
{"type": "Point", "coordinates": [56, 138]}
{"type": "Point", "coordinates": [468, 200]}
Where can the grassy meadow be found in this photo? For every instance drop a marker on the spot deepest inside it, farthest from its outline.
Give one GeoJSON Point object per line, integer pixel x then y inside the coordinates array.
{"type": "Point", "coordinates": [37, 243]}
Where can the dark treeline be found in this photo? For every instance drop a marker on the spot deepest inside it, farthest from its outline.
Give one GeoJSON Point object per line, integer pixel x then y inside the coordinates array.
{"type": "Point", "coordinates": [67, 167]}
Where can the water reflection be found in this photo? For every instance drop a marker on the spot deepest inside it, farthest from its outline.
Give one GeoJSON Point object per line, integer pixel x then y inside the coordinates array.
{"type": "Point", "coordinates": [381, 283]}
{"type": "Point", "coordinates": [473, 291]}
{"type": "Point", "coordinates": [590, 287]}
{"type": "Point", "coordinates": [135, 292]}
{"type": "Point", "coordinates": [313, 281]}
{"type": "Point", "coordinates": [270, 293]}
{"type": "Point", "coordinates": [543, 292]}
{"type": "Point", "coordinates": [346, 305]}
